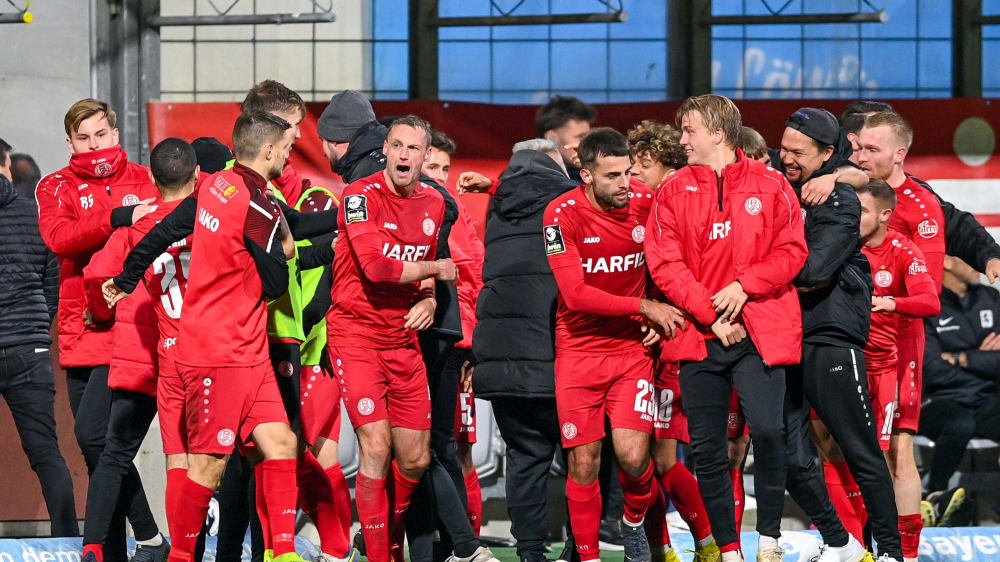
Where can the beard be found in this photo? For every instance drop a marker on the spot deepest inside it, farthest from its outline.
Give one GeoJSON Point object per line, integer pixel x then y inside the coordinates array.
{"type": "Point", "coordinates": [609, 200]}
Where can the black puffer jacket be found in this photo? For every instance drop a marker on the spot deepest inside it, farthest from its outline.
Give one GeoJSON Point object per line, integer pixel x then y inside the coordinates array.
{"type": "Point", "coordinates": [363, 158]}
{"type": "Point", "coordinates": [29, 273]}
{"type": "Point", "coordinates": [515, 336]}
{"type": "Point", "coordinates": [835, 284]}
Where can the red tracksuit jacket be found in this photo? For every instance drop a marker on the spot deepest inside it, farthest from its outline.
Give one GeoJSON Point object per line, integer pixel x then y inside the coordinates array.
{"type": "Point", "coordinates": [768, 248]}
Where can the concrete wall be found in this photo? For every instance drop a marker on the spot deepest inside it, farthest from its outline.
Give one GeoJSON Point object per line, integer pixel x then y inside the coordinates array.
{"type": "Point", "coordinates": [45, 68]}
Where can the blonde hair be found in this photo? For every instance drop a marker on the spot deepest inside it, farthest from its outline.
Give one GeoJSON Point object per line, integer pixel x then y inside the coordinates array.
{"type": "Point", "coordinates": [718, 112]}
{"type": "Point", "coordinates": [900, 128]}
{"type": "Point", "coordinates": [85, 109]}
{"type": "Point", "coordinates": [659, 141]}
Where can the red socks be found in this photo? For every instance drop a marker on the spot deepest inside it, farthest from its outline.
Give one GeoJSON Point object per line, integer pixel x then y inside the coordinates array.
{"type": "Point", "coordinates": [280, 494]}
{"type": "Point", "coordinates": [175, 481]}
{"type": "Point", "coordinates": [585, 516]}
{"type": "Point", "coordinates": [683, 490]}
{"type": "Point", "coordinates": [656, 520]}
{"type": "Point", "coordinates": [97, 549]}
{"type": "Point", "coordinates": [341, 496]}
{"type": "Point", "coordinates": [373, 511]}
{"type": "Point", "coordinates": [846, 498]}
{"type": "Point", "coordinates": [637, 490]}
{"type": "Point", "coordinates": [316, 499]}
{"type": "Point", "coordinates": [399, 500]}
{"type": "Point", "coordinates": [475, 495]}
{"type": "Point", "coordinates": [191, 508]}
{"type": "Point", "coordinates": [739, 496]}
{"type": "Point", "coordinates": [260, 505]}
{"type": "Point", "coordinates": [909, 533]}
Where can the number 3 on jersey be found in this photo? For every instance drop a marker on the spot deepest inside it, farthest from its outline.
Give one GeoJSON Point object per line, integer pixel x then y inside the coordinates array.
{"type": "Point", "coordinates": [167, 265]}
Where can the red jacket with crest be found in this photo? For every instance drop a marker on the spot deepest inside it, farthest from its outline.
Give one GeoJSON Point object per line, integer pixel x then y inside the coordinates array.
{"type": "Point", "coordinates": [769, 249]}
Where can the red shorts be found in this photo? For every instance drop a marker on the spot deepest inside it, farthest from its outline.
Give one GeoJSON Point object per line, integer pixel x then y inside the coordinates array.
{"type": "Point", "coordinates": [882, 391]}
{"type": "Point", "coordinates": [320, 401]}
{"type": "Point", "coordinates": [378, 384]}
{"type": "Point", "coordinates": [170, 402]}
{"type": "Point", "coordinates": [669, 420]}
{"type": "Point", "coordinates": [737, 421]}
{"type": "Point", "coordinates": [910, 373]}
{"type": "Point", "coordinates": [465, 418]}
{"type": "Point", "coordinates": [590, 386]}
{"type": "Point", "coordinates": [225, 404]}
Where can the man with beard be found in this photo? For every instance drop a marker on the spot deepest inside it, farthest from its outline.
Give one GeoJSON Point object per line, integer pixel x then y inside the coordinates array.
{"type": "Point", "coordinates": [565, 121]}
{"type": "Point", "coordinates": [835, 294]}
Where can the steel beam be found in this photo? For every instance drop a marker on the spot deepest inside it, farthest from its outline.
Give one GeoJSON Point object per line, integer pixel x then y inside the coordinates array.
{"type": "Point", "coordinates": [967, 48]}
{"type": "Point", "coordinates": [860, 17]}
{"type": "Point", "coordinates": [423, 63]}
{"type": "Point", "coordinates": [16, 17]}
{"type": "Point", "coordinates": [241, 19]}
{"type": "Point", "coordinates": [554, 19]}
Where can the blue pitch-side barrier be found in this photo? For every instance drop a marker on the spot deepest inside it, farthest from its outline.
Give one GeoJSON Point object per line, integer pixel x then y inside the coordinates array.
{"type": "Point", "coordinates": [965, 544]}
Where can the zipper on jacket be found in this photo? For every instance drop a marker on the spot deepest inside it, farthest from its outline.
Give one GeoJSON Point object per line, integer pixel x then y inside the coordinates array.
{"type": "Point", "coordinates": [718, 180]}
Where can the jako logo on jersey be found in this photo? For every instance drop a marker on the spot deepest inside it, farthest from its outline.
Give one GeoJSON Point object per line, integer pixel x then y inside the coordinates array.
{"type": "Point", "coordinates": [405, 252]}
{"type": "Point", "coordinates": [356, 208]}
{"type": "Point", "coordinates": [207, 220]}
{"type": "Point", "coordinates": [638, 234]}
{"type": "Point", "coordinates": [226, 437]}
{"type": "Point", "coordinates": [752, 205]}
{"type": "Point", "coordinates": [366, 406]}
{"type": "Point", "coordinates": [390, 226]}
{"type": "Point", "coordinates": [554, 240]}
{"type": "Point", "coordinates": [720, 230]}
{"type": "Point", "coordinates": [918, 266]}
{"type": "Point", "coordinates": [130, 199]}
{"type": "Point", "coordinates": [428, 226]}
{"type": "Point", "coordinates": [614, 264]}
{"type": "Point", "coordinates": [592, 240]}
{"type": "Point", "coordinates": [883, 278]}
{"type": "Point", "coordinates": [928, 228]}
{"type": "Point", "coordinates": [691, 188]}
{"type": "Point", "coordinates": [569, 430]}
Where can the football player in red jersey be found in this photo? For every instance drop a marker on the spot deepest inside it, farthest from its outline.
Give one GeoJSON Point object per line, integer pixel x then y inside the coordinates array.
{"type": "Point", "coordinates": [884, 142]}
{"type": "Point", "coordinates": [593, 238]}
{"type": "Point", "coordinates": [383, 292]}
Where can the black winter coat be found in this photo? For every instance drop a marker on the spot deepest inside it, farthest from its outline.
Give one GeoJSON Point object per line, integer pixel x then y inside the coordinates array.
{"type": "Point", "coordinates": [962, 325]}
{"type": "Point", "coordinates": [29, 273]}
{"type": "Point", "coordinates": [514, 342]}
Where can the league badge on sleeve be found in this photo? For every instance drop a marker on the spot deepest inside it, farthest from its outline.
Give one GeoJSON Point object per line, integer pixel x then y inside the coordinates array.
{"type": "Point", "coordinates": [356, 208]}
{"type": "Point", "coordinates": [554, 240]}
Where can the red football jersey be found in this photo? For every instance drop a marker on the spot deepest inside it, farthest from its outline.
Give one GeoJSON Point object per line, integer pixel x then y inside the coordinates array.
{"type": "Point", "coordinates": [918, 215]}
{"type": "Point", "coordinates": [382, 230]}
{"type": "Point", "coordinates": [598, 261]}
{"type": "Point", "coordinates": [225, 318]}
{"type": "Point", "coordinates": [166, 279]}
{"type": "Point", "coordinates": [898, 271]}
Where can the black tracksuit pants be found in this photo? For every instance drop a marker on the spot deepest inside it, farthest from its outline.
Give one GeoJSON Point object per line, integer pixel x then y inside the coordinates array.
{"type": "Point", "coordinates": [131, 414]}
{"type": "Point", "coordinates": [530, 427]}
{"type": "Point", "coordinates": [27, 384]}
{"type": "Point", "coordinates": [706, 386]}
{"type": "Point", "coordinates": [833, 381]}
{"type": "Point", "coordinates": [951, 425]}
{"type": "Point", "coordinates": [90, 400]}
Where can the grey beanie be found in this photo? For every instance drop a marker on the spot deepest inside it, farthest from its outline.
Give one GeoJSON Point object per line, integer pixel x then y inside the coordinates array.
{"type": "Point", "coordinates": [347, 112]}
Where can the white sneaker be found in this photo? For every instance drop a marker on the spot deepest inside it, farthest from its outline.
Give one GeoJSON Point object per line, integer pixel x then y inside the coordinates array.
{"type": "Point", "coordinates": [853, 551]}
{"type": "Point", "coordinates": [482, 554]}
{"type": "Point", "coordinates": [886, 558]}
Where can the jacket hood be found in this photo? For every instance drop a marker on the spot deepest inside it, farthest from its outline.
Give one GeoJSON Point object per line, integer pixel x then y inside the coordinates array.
{"type": "Point", "coordinates": [530, 181]}
{"type": "Point", "coordinates": [368, 138]}
{"type": "Point", "coordinates": [841, 155]}
{"type": "Point", "coordinates": [7, 191]}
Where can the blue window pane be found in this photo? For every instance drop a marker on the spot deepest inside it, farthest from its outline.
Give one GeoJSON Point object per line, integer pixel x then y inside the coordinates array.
{"type": "Point", "coordinates": [902, 21]}
{"type": "Point", "coordinates": [588, 96]}
{"type": "Point", "coordinates": [727, 7]}
{"type": "Point", "coordinates": [888, 93]}
{"type": "Point", "coordinates": [528, 7]}
{"type": "Point", "coordinates": [888, 64]}
{"type": "Point", "coordinates": [638, 65]}
{"type": "Point", "coordinates": [830, 30]}
{"type": "Point", "coordinates": [521, 98]}
{"type": "Point", "coordinates": [390, 19]}
{"type": "Point", "coordinates": [627, 96]}
{"type": "Point", "coordinates": [728, 31]}
{"type": "Point", "coordinates": [991, 7]}
{"type": "Point", "coordinates": [772, 65]}
{"type": "Point", "coordinates": [991, 31]}
{"type": "Point", "coordinates": [774, 31]}
{"type": "Point", "coordinates": [463, 33]}
{"type": "Point", "coordinates": [935, 18]}
{"type": "Point", "coordinates": [934, 93]}
{"type": "Point", "coordinates": [830, 6]}
{"type": "Point", "coordinates": [519, 65]}
{"type": "Point", "coordinates": [391, 66]}
{"type": "Point", "coordinates": [727, 61]}
{"type": "Point", "coordinates": [577, 65]}
{"type": "Point", "coordinates": [831, 65]}
{"type": "Point", "coordinates": [991, 61]}
{"type": "Point", "coordinates": [459, 8]}
{"type": "Point", "coordinates": [463, 65]}
{"type": "Point", "coordinates": [481, 97]}
{"type": "Point", "coordinates": [379, 95]}
{"type": "Point", "coordinates": [646, 20]}
{"type": "Point", "coordinates": [829, 94]}
{"type": "Point", "coordinates": [935, 64]}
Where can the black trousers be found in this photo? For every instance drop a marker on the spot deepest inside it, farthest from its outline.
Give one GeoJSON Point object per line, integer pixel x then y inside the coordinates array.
{"type": "Point", "coordinates": [833, 381]}
{"type": "Point", "coordinates": [442, 488]}
{"type": "Point", "coordinates": [707, 388]}
{"type": "Point", "coordinates": [131, 414]}
{"type": "Point", "coordinates": [951, 426]}
{"type": "Point", "coordinates": [28, 385]}
{"type": "Point", "coordinates": [530, 427]}
{"type": "Point", "coordinates": [90, 399]}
